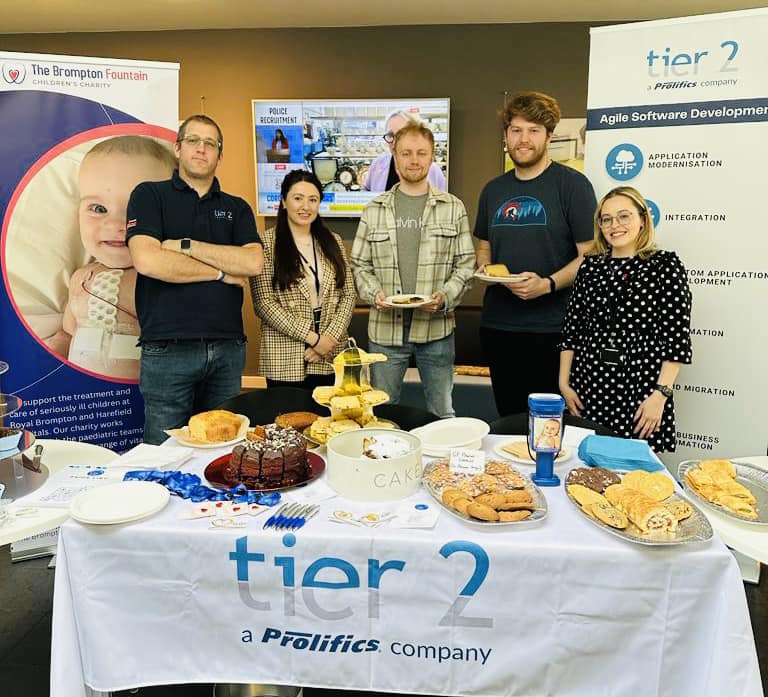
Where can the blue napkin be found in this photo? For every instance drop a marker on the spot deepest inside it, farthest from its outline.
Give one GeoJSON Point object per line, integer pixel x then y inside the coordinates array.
{"type": "Point", "coordinates": [189, 486]}
{"type": "Point", "coordinates": [618, 454]}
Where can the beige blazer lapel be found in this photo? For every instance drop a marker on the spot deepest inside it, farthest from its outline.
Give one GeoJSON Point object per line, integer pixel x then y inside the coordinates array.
{"type": "Point", "coordinates": [328, 280]}
{"type": "Point", "coordinates": [303, 287]}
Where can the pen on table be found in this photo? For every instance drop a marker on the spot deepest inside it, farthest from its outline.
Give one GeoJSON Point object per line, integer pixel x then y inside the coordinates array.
{"type": "Point", "coordinates": [310, 511]}
{"type": "Point", "coordinates": [309, 516]}
{"type": "Point", "coordinates": [286, 515]}
{"type": "Point", "coordinates": [274, 516]}
{"type": "Point", "coordinates": [296, 516]}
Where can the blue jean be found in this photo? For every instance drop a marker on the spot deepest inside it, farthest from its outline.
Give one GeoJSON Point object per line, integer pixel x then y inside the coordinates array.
{"type": "Point", "coordinates": [181, 378]}
{"type": "Point", "coordinates": [434, 359]}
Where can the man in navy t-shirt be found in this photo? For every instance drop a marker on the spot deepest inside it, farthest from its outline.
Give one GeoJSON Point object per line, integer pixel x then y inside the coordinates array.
{"type": "Point", "coordinates": [537, 220]}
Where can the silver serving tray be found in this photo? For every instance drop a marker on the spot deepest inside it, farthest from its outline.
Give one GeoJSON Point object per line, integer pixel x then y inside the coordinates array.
{"type": "Point", "coordinates": [540, 503]}
{"type": "Point", "coordinates": [754, 478]}
{"type": "Point", "coordinates": [695, 528]}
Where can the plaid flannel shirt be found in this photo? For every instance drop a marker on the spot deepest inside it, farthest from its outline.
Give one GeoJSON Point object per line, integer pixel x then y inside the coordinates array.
{"type": "Point", "coordinates": [286, 316]}
{"type": "Point", "coordinates": [446, 264]}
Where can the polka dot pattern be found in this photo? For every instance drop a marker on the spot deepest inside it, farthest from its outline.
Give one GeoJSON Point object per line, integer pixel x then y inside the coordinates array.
{"type": "Point", "coordinates": [643, 308]}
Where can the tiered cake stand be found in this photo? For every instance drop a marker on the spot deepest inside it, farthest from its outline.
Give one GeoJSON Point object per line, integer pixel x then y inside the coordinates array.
{"type": "Point", "coordinates": [352, 396]}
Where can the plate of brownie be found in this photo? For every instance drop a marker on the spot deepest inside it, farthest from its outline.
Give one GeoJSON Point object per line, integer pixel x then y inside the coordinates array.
{"type": "Point", "coordinates": [277, 461]}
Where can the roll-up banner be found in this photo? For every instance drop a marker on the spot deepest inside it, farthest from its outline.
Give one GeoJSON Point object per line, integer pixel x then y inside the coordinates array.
{"type": "Point", "coordinates": [68, 328]}
{"type": "Point", "coordinates": [678, 109]}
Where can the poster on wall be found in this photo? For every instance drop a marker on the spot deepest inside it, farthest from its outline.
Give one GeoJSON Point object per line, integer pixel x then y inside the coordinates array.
{"type": "Point", "coordinates": [677, 109]}
{"type": "Point", "coordinates": [84, 131]}
{"type": "Point", "coordinates": [345, 142]}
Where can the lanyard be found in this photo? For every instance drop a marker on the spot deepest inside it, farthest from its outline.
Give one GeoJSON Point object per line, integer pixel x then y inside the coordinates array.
{"type": "Point", "coordinates": [313, 269]}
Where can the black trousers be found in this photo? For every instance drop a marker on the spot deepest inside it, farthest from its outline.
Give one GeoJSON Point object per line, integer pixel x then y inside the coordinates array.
{"type": "Point", "coordinates": [310, 382]}
{"type": "Point", "coordinates": [520, 363]}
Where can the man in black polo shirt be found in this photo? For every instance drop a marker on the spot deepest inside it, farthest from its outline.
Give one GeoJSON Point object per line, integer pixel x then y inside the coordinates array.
{"type": "Point", "coordinates": [194, 248]}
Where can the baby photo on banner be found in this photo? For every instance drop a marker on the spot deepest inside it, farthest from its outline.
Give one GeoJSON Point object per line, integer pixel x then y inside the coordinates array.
{"type": "Point", "coordinates": [87, 131]}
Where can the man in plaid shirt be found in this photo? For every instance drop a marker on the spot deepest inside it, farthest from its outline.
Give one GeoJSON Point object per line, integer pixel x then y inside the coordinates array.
{"type": "Point", "coordinates": [414, 240]}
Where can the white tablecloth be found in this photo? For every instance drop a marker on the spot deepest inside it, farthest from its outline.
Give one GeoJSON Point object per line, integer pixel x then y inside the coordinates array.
{"type": "Point", "coordinates": [556, 608]}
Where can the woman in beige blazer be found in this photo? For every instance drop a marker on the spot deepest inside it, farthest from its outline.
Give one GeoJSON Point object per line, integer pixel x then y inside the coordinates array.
{"type": "Point", "coordinates": [306, 295]}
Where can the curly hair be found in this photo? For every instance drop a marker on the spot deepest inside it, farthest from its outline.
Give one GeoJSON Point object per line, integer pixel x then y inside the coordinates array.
{"type": "Point", "coordinates": [535, 107]}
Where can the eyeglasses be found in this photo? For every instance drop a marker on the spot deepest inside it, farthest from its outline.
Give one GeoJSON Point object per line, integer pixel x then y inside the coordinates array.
{"type": "Point", "coordinates": [194, 141]}
{"type": "Point", "coordinates": [389, 137]}
{"type": "Point", "coordinates": [623, 219]}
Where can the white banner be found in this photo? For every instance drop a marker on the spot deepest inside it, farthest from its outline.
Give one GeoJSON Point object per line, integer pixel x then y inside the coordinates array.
{"type": "Point", "coordinates": [69, 329]}
{"type": "Point", "coordinates": [678, 109]}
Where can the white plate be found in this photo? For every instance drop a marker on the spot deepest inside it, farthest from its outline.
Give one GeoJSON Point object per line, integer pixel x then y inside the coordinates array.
{"type": "Point", "coordinates": [121, 502]}
{"type": "Point", "coordinates": [390, 300]}
{"type": "Point", "coordinates": [514, 278]}
{"type": "Point", "coordinates": [182, 436]}
{"type": "Point", "coordinates": [438, 437]}
{"type": "Point", "coordinates": [564, 454]}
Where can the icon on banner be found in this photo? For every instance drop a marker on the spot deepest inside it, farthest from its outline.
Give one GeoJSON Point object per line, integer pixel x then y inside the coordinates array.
{"type": "Point", "coordinates": [14, 74]}
{"type": "Point", "coordinates": [624, 162]}
{"type": "Point", "coordinates": [653, 209]}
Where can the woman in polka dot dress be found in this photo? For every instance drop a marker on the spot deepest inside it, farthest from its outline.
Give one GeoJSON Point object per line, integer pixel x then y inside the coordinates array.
{"type": "Point", "coordinates": [627, 329]}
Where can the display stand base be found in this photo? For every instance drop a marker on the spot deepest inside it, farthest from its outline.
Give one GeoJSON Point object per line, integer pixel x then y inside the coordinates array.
{"type": "Point", "coordinates": [554, 480]}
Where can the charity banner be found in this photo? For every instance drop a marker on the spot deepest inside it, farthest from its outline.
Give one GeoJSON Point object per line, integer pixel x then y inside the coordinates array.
{"type": "Point", "coordinates": [677, 109]}
{"type": "Point", "coordinates": [85, 131]}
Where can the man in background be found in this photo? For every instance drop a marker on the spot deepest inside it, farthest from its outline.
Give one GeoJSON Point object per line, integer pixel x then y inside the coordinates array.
{"type": "Point", "coordinates": [382, 175]}
{"type": "Point", "coordinates": [194, 248]}
{"type": "Point", "coordinates": [536, 219]}
{"type": "Point", "coordinates": [414, 239]}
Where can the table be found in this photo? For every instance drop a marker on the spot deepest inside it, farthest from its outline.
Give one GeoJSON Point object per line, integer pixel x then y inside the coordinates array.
{"type": "Point", "coordinates": [559, 607]}
{"type": "Point", "coordinates": [56, 454]}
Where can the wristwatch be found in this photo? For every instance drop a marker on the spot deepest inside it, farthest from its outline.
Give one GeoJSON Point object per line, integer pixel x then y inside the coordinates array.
{"type": "Point", "coordinates": [665, 390]}
{"type": "Point", "coordinates": [186, 246]}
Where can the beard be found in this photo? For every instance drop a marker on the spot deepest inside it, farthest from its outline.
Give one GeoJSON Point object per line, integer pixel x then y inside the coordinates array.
{"type": "Point", "coordinates": [415, 177]}
{"type": "Point", "coordinates": [531, 160]}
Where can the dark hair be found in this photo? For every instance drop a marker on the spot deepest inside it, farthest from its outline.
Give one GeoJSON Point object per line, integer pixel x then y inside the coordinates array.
{"type": "Point", "coordinates": [288, 269]}
{"type": "Point", "coordinates": [280, 138]}
{"type": "Point", "coordinates": [535, 107]}
{"type": "Point", "coordinates": [202, 118]}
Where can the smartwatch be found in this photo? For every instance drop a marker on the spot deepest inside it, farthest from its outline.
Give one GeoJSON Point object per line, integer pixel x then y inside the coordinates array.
{"type": "Point", "coordinates": [552, 286]}
{"type": "Point", "coordinates": [666, 391]}
{"type": "Point", "coordinates": [186, 246]}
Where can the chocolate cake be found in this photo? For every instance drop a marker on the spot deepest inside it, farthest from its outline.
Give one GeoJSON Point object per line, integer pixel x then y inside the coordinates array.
{"type": "Point", "coordinates": [279, 459]}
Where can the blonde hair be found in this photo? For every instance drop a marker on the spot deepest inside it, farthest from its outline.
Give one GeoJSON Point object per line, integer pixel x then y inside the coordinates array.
{"type": "Point", "coordinates": [135, 146]}
{"type": "Point", "coordinates": [414, 128]}
{"type": "Point", "coordinates": [645, 245]}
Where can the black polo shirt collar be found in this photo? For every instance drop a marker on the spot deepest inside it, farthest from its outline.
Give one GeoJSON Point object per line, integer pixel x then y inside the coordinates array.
{"type": "Point", "coordinates": [181, 185]}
